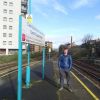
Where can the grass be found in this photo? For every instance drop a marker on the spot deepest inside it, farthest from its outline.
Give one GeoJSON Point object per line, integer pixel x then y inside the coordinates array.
{"type": "Point", "coordinates": [9, 58]}
{"type": "Point", "coordinates": [14, 58]}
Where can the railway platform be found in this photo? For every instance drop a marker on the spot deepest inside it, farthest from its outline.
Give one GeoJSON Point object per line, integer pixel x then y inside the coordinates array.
{"type": "Point", "coordinates": [47, 89]}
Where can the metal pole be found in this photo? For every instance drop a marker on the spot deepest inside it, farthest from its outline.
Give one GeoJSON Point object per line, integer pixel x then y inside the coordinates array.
{"type": "Point", "coordinates": [43, 61]}
{"type": "Point", "coordinates": [19, 94]}
{"type": "Point", "coordinates": [28, 52]}
{"type": "Point", "coordinates": [28, 68]}
{"type": "Point", "coordinates": [71, 40]}
{"type": "Point", "coordinates": [29, 6]}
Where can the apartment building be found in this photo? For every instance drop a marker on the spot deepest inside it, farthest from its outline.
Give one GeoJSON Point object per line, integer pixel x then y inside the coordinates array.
{"type": "Point", "coordinates": [9, 18]}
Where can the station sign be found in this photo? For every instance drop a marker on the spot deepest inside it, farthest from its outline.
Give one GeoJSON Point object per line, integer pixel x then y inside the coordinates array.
{"type": "Point", "coordinates": [32, 35]}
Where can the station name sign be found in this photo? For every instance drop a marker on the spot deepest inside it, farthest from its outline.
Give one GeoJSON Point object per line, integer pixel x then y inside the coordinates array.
{"type": "Point", "coordinates": [31, 35]}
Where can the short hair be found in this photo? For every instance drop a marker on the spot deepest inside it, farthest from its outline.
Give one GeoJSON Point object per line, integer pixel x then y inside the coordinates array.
{"type": "Point", "coordinates": [65, 47]}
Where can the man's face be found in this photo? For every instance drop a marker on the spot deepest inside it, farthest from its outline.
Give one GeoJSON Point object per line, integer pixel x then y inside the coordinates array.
{"type": "Point", "coordinates": [66, 51]}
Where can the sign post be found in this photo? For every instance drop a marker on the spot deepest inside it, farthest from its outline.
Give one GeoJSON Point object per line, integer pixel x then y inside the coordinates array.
{"type": "Point", "coordinates": [29, 20]}
{"type": "Point", "coordinates": [19, 91]}
{"type": "Point", "coordinates": [43, 62]}
{"type": "Point", "coordinates": [28, 67]}
{"type": "Point", "coordinates": [30, 35]}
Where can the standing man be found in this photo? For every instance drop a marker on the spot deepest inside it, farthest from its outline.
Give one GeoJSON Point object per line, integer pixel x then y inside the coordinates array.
{"type": "Point", "coordinates": [65, 65]}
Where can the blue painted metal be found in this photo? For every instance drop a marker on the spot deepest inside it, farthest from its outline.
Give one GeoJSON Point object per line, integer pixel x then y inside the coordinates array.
{"type": "Point", "coordinates": [19, 94]}
{"type": "Point", "coordinates": [43, 62]}
{"type": "Point", "coordinates": [27, 76]}
{"type": "Point", "coordinates": [28, 68]}
{"type": "Point", "coordinates": [28, 54]}
{"type": "Point", "coordinates": [29, 6]}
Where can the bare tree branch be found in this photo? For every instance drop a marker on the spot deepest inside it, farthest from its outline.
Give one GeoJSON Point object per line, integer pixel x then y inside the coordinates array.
{"type": "Point", "coordinates": [87, 38]}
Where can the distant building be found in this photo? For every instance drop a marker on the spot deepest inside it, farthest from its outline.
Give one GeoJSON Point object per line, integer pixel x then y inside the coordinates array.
{"type": "Point", "coordinates": [9, 18]}
{"type": "Point", "coordinates": [48, 45]}
{"type": "Point", "coordinates": [9, 21]}
{"type": "Point", "coordinates": [35, 48]}
{"type": "Point", "coordinates": [93, 46]}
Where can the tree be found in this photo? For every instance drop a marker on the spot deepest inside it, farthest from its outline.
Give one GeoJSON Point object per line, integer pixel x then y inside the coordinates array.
{"type": "Point", "coordinates": [86, 43]}
{"type": "Point", "coordinates": [87, 38]}
{"type": "Point", "coordinates": [61, 48]}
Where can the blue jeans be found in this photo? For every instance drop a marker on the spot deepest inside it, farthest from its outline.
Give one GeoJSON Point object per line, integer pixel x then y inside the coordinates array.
{"type": "Point", "coordinates": [63, 73]}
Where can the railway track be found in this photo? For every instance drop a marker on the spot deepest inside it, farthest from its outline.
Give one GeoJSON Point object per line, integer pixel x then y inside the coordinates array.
{"type": "Point", "coordinates": [12, 67]}
{"type": "Point", "coordinates": [92, 71]}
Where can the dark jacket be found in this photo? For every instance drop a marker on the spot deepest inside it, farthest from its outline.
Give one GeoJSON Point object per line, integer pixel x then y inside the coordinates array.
{"type": "Point", "coordinates": [65, 62]}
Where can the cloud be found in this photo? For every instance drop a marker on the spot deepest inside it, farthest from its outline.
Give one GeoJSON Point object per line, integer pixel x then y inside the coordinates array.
{"type": "Point", "coordinates": [82, 3]}
{"type": "Point", "coordinates": [58, 7]}
{"type": "Point", "coordinates": [97, 17]}
{"type": "Point", "coordinates": [51, 4]}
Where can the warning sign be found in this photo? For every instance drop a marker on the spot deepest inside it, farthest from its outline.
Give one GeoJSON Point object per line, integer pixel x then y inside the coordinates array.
{"type": "Point", "coordinates": [29, 18]}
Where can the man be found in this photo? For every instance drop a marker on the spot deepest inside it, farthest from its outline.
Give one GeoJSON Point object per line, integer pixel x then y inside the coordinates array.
{"type": "Point", "coordinates": [65, 65]}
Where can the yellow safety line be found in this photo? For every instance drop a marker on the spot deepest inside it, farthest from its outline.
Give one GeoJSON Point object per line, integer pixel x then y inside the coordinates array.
{"type": "Point", "coordinates": [88, 90]}
{"type": "Point", "coordinates": [86, 78]}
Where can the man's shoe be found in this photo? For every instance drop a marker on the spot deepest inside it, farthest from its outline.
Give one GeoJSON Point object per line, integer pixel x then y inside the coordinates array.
{"type": "Point", "coordinates": [61, 89]}
{"type": "Point", "coordinates": [69, 88]}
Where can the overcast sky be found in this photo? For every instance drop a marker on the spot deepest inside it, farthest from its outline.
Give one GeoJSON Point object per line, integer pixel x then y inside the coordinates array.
{"type": "Point", "coordinates": [61, 19]}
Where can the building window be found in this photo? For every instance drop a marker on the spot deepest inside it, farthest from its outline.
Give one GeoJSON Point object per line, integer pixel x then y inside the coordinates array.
{"type": "Point", "coordinates": [4, 34]}
{"type": "Point", "coordinates": [4, 10]}
{"type": "Point", "coordinates": [10, 19]}
{"type": "Point", "coordinates": [10, 11]}
{"type": "Point", "coordinates": [10, 3]}
{"type": "Point", "coordinates": [10, 27]}
{"type": "Point", "coordinates": [5, 3]}
{"type": "Point", "coordinates": [10, 34]}
{"type": "Point", "coordinates": [5, 19]}
{"type": "Point", "coordinates": [4, 42]}
{"type": "Point", "coordinates": [10, 42]}
{"type": "Point", "coordinates": [4, 26]}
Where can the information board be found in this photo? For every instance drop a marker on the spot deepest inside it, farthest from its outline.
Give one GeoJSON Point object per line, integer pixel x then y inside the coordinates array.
{"type": "Point", "coordinates": [31, 35]}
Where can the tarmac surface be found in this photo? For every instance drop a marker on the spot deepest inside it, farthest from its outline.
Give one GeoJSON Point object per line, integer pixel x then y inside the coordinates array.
{"type": "Point", "coordinates": [47, 89]}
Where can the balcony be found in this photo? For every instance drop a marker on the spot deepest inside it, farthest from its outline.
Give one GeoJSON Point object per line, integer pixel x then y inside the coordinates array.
{"type": "Point", "coordinates": [24, 2]}
{"type": "Point", "coordinates": [24, 9]}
